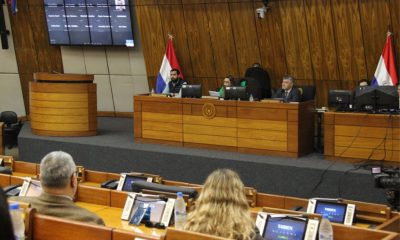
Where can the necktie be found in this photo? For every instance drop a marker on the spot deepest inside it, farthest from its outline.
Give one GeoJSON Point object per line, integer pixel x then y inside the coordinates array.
{"type": "Point", "coordinates": [286, 94]}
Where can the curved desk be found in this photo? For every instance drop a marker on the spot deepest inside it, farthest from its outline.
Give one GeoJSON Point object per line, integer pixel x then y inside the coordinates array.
{"type": "Point", "coordinates": [63, 105]}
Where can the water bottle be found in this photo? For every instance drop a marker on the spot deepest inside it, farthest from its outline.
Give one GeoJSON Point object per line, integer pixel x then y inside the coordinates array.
{"type": "Point", "coordinates": [17, 221]}
{"type": "Point", "coordinates": [180, 211]}
{"type": "Point", "coordinates": [152, 92]}
{"type": "Point", "coordinates": [251, 99]}
{"type": "Point", "coordinates": [325, 229]}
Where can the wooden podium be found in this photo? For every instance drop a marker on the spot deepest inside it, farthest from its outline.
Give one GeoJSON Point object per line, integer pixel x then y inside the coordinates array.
{"type": "Point", "coordinates": [63, 105]}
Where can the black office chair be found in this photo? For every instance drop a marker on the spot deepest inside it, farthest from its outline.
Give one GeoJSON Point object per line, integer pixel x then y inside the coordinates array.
{"type": "Point", "coordinates": [307, 92]}
{"type": "Point", "coordinates": [12, 126]}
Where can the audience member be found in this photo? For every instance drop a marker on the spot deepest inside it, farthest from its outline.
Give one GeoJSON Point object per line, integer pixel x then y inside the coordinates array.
{"type": "Point", "coordinates": [222, 208]}
{"type": "Point", "coordinates": [288, 92]}
{"type": "Point", "coordinates": [174, 86]}
{"type": "Point", "coordinates": [6, 228]}
{"type": "Point", "coordinates": [228, 81]}
{"type": "Point", "coordinates": [258, 73]}
{"type": "Point", "coordinates": [59, 183]}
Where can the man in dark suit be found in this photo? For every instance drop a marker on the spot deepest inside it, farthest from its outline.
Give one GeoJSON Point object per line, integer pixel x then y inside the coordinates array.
{"type": "Point", "coordinates": [288, 92]}
{"type": "Point", "coordinates": [174, 86]}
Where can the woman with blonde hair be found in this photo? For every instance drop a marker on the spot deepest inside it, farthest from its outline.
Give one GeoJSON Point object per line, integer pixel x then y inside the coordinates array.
{"type": "Point", "coordinates": [222, 208]}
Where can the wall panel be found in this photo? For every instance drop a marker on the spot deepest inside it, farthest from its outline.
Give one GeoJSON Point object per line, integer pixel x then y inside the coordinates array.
{"type": "Point", "coordinates": [272, 49]}
{"type": "Point", "coordinates": [297, 47]}
{"type": "Point", "coordinates": [222, 38]}
{"type": "Point", "coordinates": [375, 18]}
{"type": "Point", "coordinates": [350, 48]}
{"type": "Point", "coordinates": [322, 40]}
{"type": "Point", "coordinates": [245, 33]}
{"type": "Point", "coordinates": [199, 41]}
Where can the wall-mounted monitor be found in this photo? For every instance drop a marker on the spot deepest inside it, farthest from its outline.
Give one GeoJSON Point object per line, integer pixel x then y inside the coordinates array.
{"type": "Point", "coordinates": [89, 22]}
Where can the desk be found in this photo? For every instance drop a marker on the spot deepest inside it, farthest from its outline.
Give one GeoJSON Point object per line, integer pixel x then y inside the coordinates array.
{"type": "Point", "coordinates": [362, 136]}
{"type": "Point", "coordinates": [63, 105]}
{"type": "Point", "coordinates": [284, 129]}
{"type": "Point", "coordinates": [112, 218]}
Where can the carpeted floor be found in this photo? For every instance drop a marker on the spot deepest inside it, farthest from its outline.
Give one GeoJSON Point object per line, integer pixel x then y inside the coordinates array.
{"type": "Point", "coordinates": [114, 150]}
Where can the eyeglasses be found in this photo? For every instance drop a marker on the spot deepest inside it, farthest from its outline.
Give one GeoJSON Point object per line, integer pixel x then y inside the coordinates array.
{"type": "Point", "coordinates": [155, 225]}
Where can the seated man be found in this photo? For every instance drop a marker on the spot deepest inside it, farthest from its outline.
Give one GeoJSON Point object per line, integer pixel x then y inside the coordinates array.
{"type": "Point", "coordinates": [288, 92]}
{"type": "Point", "coordinates": [59, 183]}
{"type": "Point", "coordinates": [174, 86]}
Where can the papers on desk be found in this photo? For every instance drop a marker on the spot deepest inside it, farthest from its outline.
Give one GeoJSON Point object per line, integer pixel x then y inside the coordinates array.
{"type": "Point", "coordinates": [213, 93]}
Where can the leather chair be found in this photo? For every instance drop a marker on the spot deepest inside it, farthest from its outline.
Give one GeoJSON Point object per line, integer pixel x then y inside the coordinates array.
{"type": "Point", "coordinates": [307, 92]}
{"type": "Point", "coordinates": [12, 126]}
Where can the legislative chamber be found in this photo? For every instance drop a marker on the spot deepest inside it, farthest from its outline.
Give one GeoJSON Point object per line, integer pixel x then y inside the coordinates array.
{"type": "Point", "coordinates": [280, 118]}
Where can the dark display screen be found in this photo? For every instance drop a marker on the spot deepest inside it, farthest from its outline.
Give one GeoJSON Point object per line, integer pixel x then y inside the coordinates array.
{"type": "Point", "coordinates": [90, 22]}
{"type": "Point", "coordinates": [334, 212]}
{"type": "Point", "coordinates": [284, 228]}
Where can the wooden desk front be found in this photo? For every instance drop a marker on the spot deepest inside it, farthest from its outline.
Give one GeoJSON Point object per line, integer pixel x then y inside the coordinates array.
{"type": "Point", "coordinates": [252, 127]}
{"type": "Point", "coordinates": [362, 136]}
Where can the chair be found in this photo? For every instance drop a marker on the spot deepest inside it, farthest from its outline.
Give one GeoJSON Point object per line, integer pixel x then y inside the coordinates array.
{"type": "Point", "coordinates": [12, 126]}
{"type": "Point", "coordinates": [307, 92]}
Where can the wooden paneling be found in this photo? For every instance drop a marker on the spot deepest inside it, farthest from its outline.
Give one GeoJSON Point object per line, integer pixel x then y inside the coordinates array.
{"type": "Point", "coordinates": [375, 18]}
{"type": "Point", "coordinates": [349, 40]}
{"type": "Point", "coordinates": [197, 30]}
{"type": "Point", "coordinates": [247, 48]}
{"type": "Point", "coordinates": [152, 37]}
{"type": "Point", "coordinates": [223, 42]}
{"type": "Point", "coordinates": [297, 51]}
{"type": "Point", "coordinates": [320, 30]}
{"type": "Point", "coordinates": [272, 49]}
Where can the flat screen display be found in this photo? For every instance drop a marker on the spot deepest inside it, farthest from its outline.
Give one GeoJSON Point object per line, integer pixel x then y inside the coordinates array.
{"type": "Point", "coordinates": [129, 180]}
{"type": "Point", "coordinates": [334, 212]}
{"type": "Point", "coordinates": [89, 22]}
{"type": "Point", "coordinates": [284, 228]}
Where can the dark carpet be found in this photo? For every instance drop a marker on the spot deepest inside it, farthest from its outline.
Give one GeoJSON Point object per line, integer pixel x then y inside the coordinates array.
{"type": "Point", "coordinates": [114, 150]}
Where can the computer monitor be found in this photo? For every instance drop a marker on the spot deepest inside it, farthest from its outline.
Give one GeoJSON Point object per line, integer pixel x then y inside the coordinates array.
{"type": "Point", "coordinates": [365, 98]}
{"type": "Point", "coordinates": [341, 99]}
{"type": "Point", "coordinates": [333, 210]}
{"type": "Point", "coordinates": [387, 97]}
{"type": "Point", "coordinates": [236, 93]}
{"type": "Point", "coordinates": [287, 228]}
{"type": "Point", "coordinates": [126, 181]}
{"type": "Point", "coordinates": [191, 91]}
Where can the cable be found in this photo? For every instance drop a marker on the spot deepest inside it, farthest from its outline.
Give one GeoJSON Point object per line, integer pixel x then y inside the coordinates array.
{"type": "Point", "coordinates": [321, 178]}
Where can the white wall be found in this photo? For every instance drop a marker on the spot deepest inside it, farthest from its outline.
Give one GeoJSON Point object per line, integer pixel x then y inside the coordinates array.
{"type": "Point", "coordinates": [119, 72]}
{"type": "Point", "coordinates": [10, 85]}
